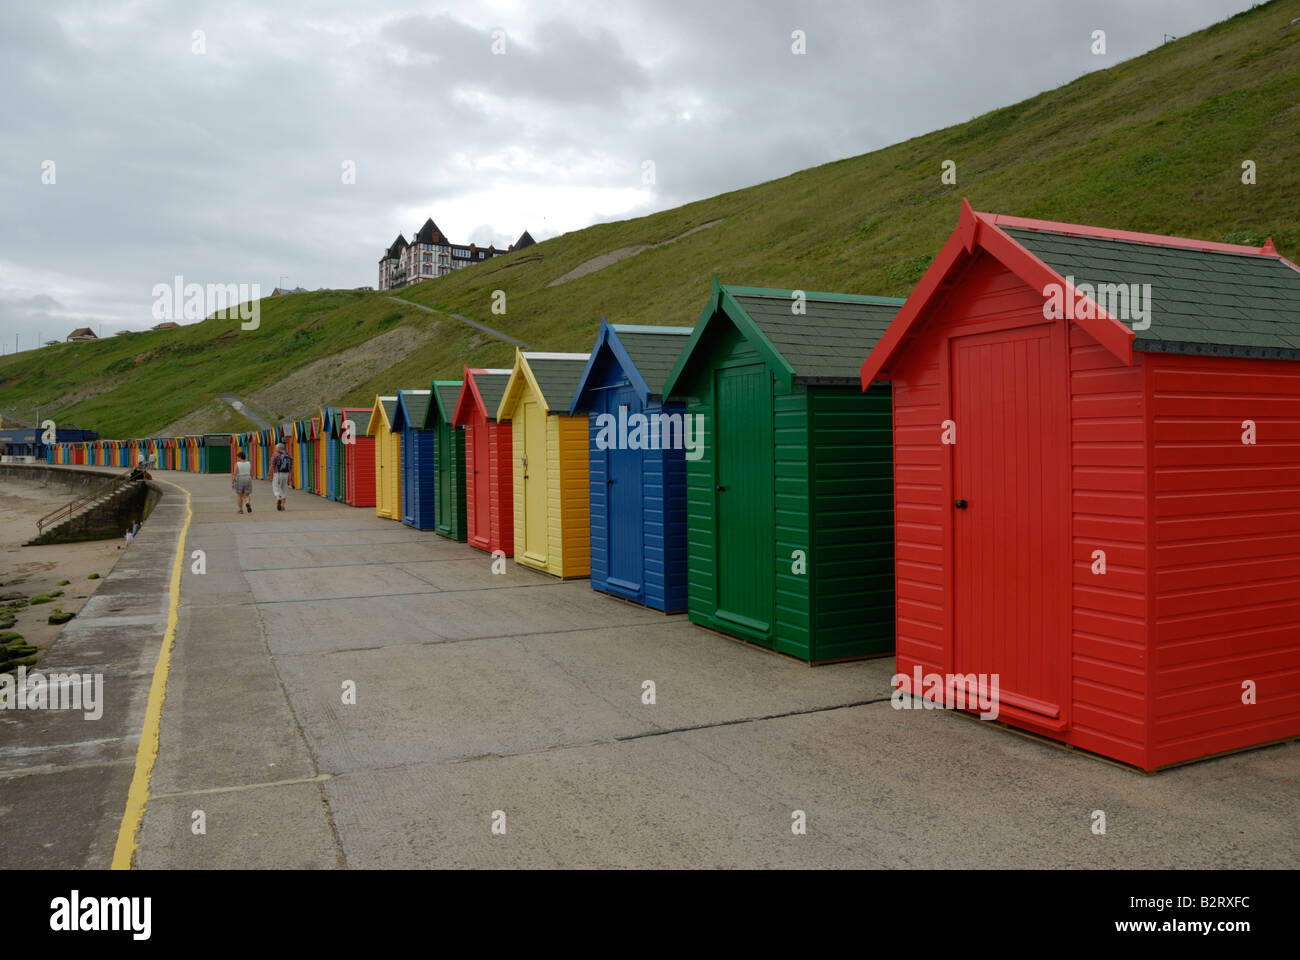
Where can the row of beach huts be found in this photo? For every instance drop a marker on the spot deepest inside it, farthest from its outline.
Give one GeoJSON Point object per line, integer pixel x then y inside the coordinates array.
{"type": "Point", "coordinates": [1070, 460]}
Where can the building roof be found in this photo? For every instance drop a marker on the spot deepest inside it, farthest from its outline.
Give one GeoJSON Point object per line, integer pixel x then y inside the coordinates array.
{"type": "Point", "coordinates": [645, 353]}
{"type": "Point", "coordinates": [1206, 297]}
{"type": "Point", "coordinates": [483, 387]}
{"type": "Point", "coordinates": [819, 345]}
{"type": "Point", "coordinates": [554, 376]}
{"type": "Point", "coordinates": [525, 240]}
{"type": "Point", "coordinates": [429, 233]}
{"type": "Point", "coordinates": [412, 408]}
{"type": "Point", "coordinates": [381, 415]}
{"type": "Point", "coordinates": [1202, 301]}
{"type": "Point", "coordinates": [83, 332]}
{"type": "Point", "coordinates": [444, 394]}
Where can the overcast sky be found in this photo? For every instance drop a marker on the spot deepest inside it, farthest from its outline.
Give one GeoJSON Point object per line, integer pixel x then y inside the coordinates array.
{"type": "Point", "coordinates": [220, 156]}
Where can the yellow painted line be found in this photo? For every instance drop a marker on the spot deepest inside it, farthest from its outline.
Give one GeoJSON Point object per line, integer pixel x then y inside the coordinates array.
{"type": "Point", "coordinates": [138, 793]}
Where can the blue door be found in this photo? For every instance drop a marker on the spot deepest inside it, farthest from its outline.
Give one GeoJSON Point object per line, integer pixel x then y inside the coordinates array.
{"type": "Point", "coordinates": [623, 504]}
{"type": "Point", "coordinates": [408, 484]}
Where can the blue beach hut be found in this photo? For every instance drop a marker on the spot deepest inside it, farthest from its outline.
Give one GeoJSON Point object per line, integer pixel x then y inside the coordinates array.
{"type": "Point", "coordinates": [419, 474]}
{"type": "Point", "coordinates": [636, 446]}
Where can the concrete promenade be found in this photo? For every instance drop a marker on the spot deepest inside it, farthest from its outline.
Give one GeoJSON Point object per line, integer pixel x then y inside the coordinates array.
{"type": "Point", "coordinates": [481, 697]}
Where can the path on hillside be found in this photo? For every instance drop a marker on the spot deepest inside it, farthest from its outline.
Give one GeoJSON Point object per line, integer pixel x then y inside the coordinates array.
{"type": "Point", "coordinates": [473, 323]}
{"type": "Point", "coordinates": [243, 408]}
{"type": "Point", "coordinates": [518, 693]}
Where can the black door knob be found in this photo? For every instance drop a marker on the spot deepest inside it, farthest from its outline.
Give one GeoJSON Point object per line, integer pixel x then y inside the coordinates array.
{"type": "Point", "coordinates": [960, 504]}
{"type": "Point", "coordinates": [720, 488]}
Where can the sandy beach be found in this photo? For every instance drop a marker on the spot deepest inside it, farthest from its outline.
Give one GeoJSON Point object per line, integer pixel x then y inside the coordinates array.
{"type": "Point", "coordinates": [34, 571]}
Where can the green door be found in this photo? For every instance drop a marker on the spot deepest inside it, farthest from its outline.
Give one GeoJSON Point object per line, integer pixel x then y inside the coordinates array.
{"type": "Point", "coordinates": [744, 445]}
{"type": "Point", "coordinates": [446, 468]}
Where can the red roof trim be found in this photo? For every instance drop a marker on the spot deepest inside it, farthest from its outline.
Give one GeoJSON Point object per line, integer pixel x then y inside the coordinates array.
{"type": "Point", "coordinates": [1083, 230]}
{"type": "Point", "coordinates": [468, 394]}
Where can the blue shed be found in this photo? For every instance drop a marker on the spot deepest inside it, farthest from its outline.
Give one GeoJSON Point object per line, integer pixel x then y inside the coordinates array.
{"type": "Point", "coordinates": [419, 477]}
{"type": "Point", "coordinates": [637, 450]}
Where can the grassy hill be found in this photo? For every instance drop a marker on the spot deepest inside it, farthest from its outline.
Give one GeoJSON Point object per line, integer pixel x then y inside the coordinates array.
{"type": "Point", "coordinates": [1154, 144]}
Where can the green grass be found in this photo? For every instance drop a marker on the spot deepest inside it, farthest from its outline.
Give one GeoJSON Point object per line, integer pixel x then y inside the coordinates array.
{"type": "Point", "coordinates": [1154, 144]}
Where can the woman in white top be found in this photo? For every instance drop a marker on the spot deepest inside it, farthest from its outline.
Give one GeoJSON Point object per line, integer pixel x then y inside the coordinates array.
{"type": "Point", "coordinates": [242, 482]}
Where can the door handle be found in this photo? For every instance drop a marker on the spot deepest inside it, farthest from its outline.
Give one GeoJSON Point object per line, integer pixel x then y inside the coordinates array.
{"type": "Point", "coordinates": [961, 504]}
{"type": "Point", "coordinates": [610, 480]}
{"type": "Point", "coordinates": [720, 488]}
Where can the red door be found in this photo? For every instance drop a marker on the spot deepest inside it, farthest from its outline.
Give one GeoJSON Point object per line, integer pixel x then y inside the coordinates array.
{"type": "Point", "coordinates": [1010, 532]}
{"type": "Point", "coordinates": [481, 480]}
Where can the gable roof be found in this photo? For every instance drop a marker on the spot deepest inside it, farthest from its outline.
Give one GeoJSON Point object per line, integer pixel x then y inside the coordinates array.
{"type": "Point", "coordinates": [444, 394]}
{"type": "Point", "coordinates": [1205, 297]}
{"type": "Point", "coordinates": [646, 354]}
{"type": "Point", "coordinates": [429, 233]}
{"type": "Point", "coordinates": [552, 376]}
{"type": "Point", "coordinates": [412, 408]}
{"type": "Point", "coordinates": [483, 387]}
{"type": "Point", "coordinates": [816, 346]}
{"type": "Point", "coordinates": [381, 415]}
{"type": "Point", "coordinates": [525, 240]}
{"type": "Point", "coordinates": [354, 414]}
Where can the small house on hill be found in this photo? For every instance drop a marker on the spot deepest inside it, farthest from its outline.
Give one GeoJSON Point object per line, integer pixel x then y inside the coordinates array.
{"type": "Point", "coordinates": [81, 333]}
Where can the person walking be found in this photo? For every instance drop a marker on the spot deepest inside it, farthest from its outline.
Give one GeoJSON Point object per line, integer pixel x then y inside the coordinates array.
{"type": "Point", "coordinates": [242, 482]}
{"type": "Point", "coordinates": [281, 471]}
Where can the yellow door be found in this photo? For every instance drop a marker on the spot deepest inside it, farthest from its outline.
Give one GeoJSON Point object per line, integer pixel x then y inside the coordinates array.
{"type": "Point", "coordinates": [534, 481]}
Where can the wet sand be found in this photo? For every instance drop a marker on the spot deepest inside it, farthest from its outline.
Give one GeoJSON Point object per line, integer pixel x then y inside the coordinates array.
{"type": "Point", "coordinates": [32, 571]}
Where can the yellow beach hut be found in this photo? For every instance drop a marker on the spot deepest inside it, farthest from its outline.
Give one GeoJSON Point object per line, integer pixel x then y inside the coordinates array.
{"type": "Point", "coordinates": [551, 499]}
{"type": "Point", "coordinates": [388, 459]}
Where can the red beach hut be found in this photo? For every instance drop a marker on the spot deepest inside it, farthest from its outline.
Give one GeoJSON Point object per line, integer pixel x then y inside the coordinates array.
{"type": "Point", "coordinates": [489, 462]}
{"type": "Point", "coordinates": [1097, 484]}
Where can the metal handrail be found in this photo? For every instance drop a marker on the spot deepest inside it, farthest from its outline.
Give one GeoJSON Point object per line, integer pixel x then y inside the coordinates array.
{"type": "Point", "coordinates": [67, 511]}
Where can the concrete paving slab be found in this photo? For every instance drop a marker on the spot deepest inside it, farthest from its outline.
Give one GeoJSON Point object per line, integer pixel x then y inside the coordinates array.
{"type": "Point", "coordinates": [272, 828]}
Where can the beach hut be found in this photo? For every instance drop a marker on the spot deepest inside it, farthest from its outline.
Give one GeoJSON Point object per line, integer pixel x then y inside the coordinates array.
{"type": "Point", "coordinates": [448, 459]}
{"type": "Point", "coordinates": [637, 465]}
{"type": "Point", "coordinates": [1098, 500]}
{"type": "Point", "coordinates": [360, 454]}
{"type": "Point", "coordinates": [217, 446]}
{"type": "Point", "coordinates": [332, 444]}
{"type": "Point", "coordinates": [489, 465]}
{"type": "Point", "coordinates": [347, 439]}
{"type": "Point", "coordinates": [551, 514]}
{"type": "Point", "coordinates": [418, 505]}
{"type": "Point", "coordinates": [388, 459]}
{"type": "Point", "coordinates": [788, 499]}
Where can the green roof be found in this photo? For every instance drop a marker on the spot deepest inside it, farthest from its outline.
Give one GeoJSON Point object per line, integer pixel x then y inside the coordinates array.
{"type": "Point", "coordinates": [447, 392]}
{"type": "Point", "coordinates": [558, 379]}
{"type": "Point", "coordinates": [417, 406]}
{"type": "Point", "coordinates": [492, 387]}
{"type": "Point", "coordinates": [390, 407]}
{"type": "Point", "coordinates": [654, 350]}
{"type": "Point", "coordinates": [1202, 301]}
{"type": "Point", "coordinates": [828, 340]}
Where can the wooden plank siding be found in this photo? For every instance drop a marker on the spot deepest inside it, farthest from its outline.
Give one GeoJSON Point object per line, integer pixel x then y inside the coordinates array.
{"type": "Point", "coordinates": [1226, 557]}
{"type": "Point", "coordinates": [851, 555]}
{"type": "Point", "coordinates": [1109, 642]}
